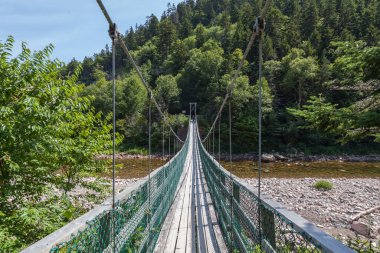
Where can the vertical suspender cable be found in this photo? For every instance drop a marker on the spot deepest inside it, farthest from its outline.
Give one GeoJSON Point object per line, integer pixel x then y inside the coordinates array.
{"type": "Point", "coordinates": [231, 180]}
{"type": "Point", "coordinates": [112, 32]}
{"type": "Point", "coordinates": [213, 143]}
{"type": "Point", "coordinates": [169, 149]}
{"type": "Point", "coordinates": [174, 146]}
{"type": "Point", "coordinates": [260, 28]}
{"type": "Point", "coordinates": [220, 119]}
{"type": "Point", "coordinates": [149, 164]}
{"type": "Point", "coordinates": [230, 123]}
{"type": "Point", "coordinates": [163, 142]}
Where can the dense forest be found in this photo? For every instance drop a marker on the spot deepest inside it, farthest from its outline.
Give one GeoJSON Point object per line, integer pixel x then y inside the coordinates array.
{"type": "Point", "coordinates": [321, 94]}
{"type": "Point", "coordinates": [322, 72]}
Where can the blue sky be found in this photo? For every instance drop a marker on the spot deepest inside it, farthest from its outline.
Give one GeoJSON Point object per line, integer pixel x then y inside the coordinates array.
{"type": "Point", "coordinates": [76, 28]}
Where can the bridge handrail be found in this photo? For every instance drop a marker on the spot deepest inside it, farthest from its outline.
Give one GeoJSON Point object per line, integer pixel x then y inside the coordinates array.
{"type": "Point", "coordinates": [66, 232]}
{"type": "Point", "coordinates": [61, 240]}
{"type": "Point", "coordinates": [302, 232]}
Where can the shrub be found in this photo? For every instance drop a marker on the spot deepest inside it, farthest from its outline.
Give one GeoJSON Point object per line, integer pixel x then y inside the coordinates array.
{"type": "Point", "coordinates": [323, 185]}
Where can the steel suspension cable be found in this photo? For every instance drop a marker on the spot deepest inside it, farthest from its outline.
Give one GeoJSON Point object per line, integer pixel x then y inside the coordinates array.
{"type": "Point", "coordinates": [231, 180]}
{"type": "Point", "coordinates": [220, 119]}
{"type": "Point", "coordinates": [230, 131]}
{"type": "Point", "coordinates": [149, 164]}
{"type": "Point", "coordinates": [163, 142]}
{"type": "Point", "coordinates": [174, 145]}
{"type": "Point", "coordinates": [169, 149]}
{"type": "Point", "coordinates": [260, 31]}
{"type": "Point", "coordinates": [232, 84]}
{"type": "Point", "coordinates": [213, 143]}
{"type": "Point", "coordinates": [136, 67]}
{"type": "Point", "coordinates": [113, 37]}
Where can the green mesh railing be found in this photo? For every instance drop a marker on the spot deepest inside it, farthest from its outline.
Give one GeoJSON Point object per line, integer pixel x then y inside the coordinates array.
{"type": "Point", "coordinates": [135, 223]}
{"type": "Point", "coordinates": [278, 230]}
{"type": "Point", "coordinates": [132, 215]}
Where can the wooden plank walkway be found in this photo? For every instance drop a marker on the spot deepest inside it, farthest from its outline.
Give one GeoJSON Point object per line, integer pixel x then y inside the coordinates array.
{"type": "Point", "coordinates": [191, 224]}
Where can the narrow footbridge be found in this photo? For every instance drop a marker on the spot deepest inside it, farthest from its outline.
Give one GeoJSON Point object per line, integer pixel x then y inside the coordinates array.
{"type": "Point", "coordinates": [191, 204]}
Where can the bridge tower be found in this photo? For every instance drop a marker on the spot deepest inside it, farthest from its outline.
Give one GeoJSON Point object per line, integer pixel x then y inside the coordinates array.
{"type": "Point", "coordinates": [193, 111]}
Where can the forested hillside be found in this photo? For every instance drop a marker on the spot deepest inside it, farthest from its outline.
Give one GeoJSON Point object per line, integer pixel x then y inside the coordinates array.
{"type": "Point", "coordinates": [322, 72]}
{"type": "Point", "coordinates": [321, 94]}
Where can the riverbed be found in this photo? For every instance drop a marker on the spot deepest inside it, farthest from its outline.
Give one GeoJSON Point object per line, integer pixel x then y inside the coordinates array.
{"type": "Point", "coordinates": [140, 167]}
{"type": "Point", "coordinates": [356, 188]}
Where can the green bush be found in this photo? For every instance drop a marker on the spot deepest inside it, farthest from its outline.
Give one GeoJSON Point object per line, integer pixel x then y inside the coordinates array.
{"type": "Point", "coordinates": [323, 185]}
{"type": "Point", "coordinates": [363, 246]}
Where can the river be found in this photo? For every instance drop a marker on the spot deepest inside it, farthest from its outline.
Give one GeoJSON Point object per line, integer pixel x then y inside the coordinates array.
{"type": "Point", "coordinates": [136, 168]}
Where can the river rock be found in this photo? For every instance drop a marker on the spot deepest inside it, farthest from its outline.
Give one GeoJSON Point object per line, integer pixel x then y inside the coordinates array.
{"type": "Point", "coordinates": [280, 157]}
{"type": "Point", "coordinates": [268, 158]}
{"type": "Point", "coordinates": [332, 209]}
{"type": "Point", "coordinates": [360, 228]}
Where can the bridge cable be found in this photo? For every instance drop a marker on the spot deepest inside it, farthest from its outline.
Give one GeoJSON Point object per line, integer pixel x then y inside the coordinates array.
{"type": "Point", "coordinates": [163, 141]}
{"type": "Point", "coordinates": [136, 67]}
{"type": "Point", "coordinates": [112, 33]}
{"type": "Point", "coordinates": [231, 180]}
{"type": "Point", "coordinates": [260, 31]}
{"type": "Point", "coordinates": [230, 123]}
{"type": "Point", "coordinates": [232, 84]}
{"type": "Point", "coordinates": [220, 119]}
{"type": "Point", "coordinates": [149, 165]}
{"type": "Point", "coordinates": [169, 149]}
{"type": "Point", "coordinates": [213, 143]}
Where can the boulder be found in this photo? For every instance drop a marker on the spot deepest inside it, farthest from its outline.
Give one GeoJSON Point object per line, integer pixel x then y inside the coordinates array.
{"type": "Point", "coordinates": [360, 228]}
{"type": "Point", "coordinates": [281, 157]}
{"type": "Point", "coordinates": [268, 158]}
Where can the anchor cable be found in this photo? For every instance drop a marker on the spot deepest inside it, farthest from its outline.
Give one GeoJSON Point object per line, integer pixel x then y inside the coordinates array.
{"type": "Point", "coordinates": [137, 68]}
{"type": "Point", "coordinates": [232, 84]}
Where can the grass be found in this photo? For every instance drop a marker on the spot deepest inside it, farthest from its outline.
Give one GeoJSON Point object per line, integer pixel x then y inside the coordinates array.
{"type": "Point", "coordinates": [137, 151]}
{"type": "Point", "coordinates": [323, 185]}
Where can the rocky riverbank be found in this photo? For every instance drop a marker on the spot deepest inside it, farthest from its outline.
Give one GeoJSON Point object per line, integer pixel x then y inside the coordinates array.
{"type": "Point", "coordinates": [94, 191]}
{"type": "Point", "coordinates": [333, 210]}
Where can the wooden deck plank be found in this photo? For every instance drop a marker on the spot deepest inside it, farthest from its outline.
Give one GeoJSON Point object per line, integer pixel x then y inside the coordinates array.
{"type": "Point", "coordinates": [171, 222]}
{"type": "Point", "coordinates": [181, 244]}
{"type": "Point", "coordinates": [208, 227]}
{"type": "Point", "coordinates": [191, 225]}
{"type": "Point", "coordinates": [173, 233]}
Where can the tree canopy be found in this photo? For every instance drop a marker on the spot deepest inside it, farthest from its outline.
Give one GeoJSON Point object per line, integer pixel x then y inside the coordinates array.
{"type": "Point", "coordinates": [310, 48]}
{"type": "Point", "coordinates": [49, 135]}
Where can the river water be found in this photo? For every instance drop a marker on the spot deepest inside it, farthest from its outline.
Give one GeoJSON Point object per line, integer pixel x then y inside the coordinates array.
{"type": "Point", "coordinates": [136, 168]}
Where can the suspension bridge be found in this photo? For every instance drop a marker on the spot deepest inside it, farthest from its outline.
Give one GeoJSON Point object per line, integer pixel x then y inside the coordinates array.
{"type": "Point", "coordinates": [190, 204]}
